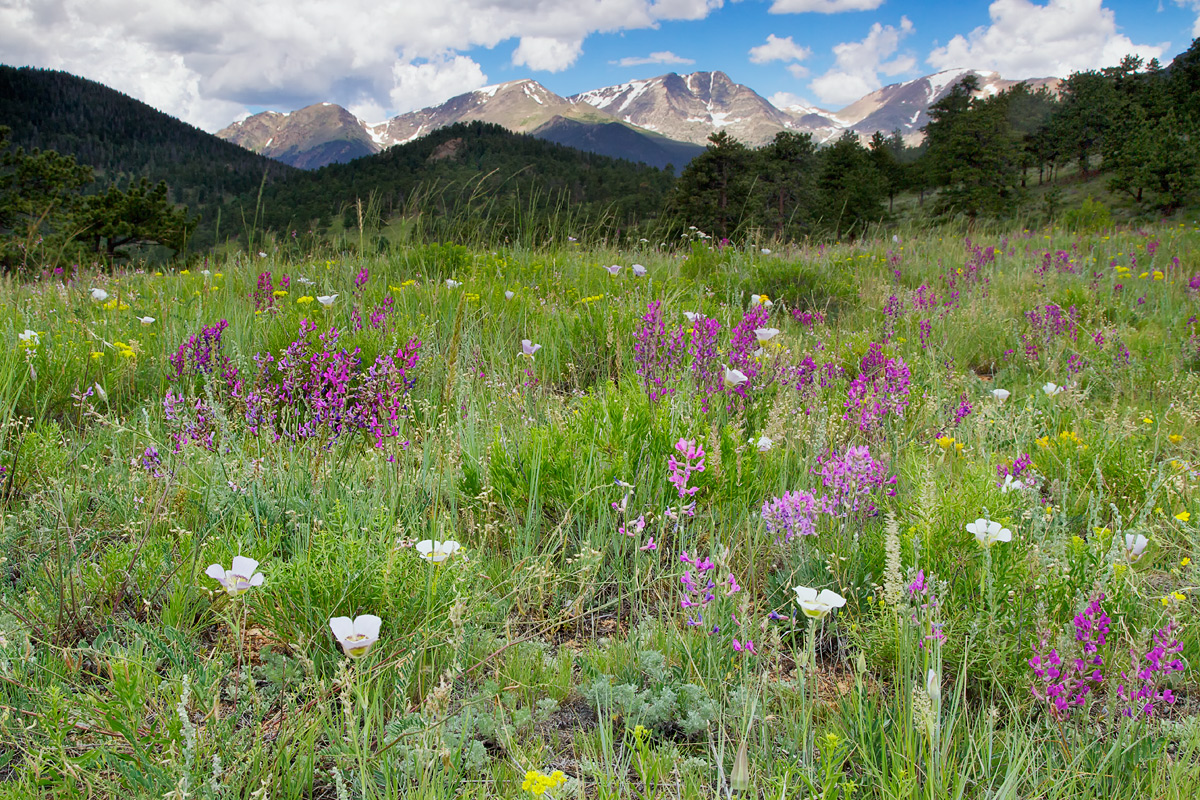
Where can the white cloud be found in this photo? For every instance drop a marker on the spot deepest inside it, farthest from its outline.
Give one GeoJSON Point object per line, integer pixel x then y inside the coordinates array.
{"type": "Point", "coordinates": [206, 62]}
{"type": "Point", "coordinates": [661, 57]}
{"type": "Point", "coordinates": [546, 53]}
{"type": "Point", "coordinates": [823, 6]}
{"type": "Point", "coordinates": [1027, 40]}
{"type": "Point", "coordinates": [1194, 5]}
{"type": "Point", "coordinates": [420, 85]}
{"type": "Point", "coordinates": [858, 65]}
{"type": "Point", "coordinates": [777, 49]}
{"type": "Point", "coordinates": [785, 100]}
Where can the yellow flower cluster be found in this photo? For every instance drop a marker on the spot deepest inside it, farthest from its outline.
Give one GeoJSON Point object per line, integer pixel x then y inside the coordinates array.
{"type": "Point", "coordinates": [1177, 597]}
{"type": "Point", "coordinates": [280, 292]}
{"type": "Point", "coordinates": [536, 783]}
{"type": "Point", "coordinates": [303, 301]}
{"type": "Point", "coordinates": [115, 305]}
{"type": "Point", "coordinates": [124, 350]}
{"type": "Point", "coordinates": [1064, 438]}
{"type": "Point", "coordinates": [583, 301]}
{"type": "Point", "coordinates": [949, 444]}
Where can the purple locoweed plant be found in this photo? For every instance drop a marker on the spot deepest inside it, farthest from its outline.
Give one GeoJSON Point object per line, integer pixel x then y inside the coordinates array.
{"type": "Point", "coordinates": [1142, 692]}
{"type": "Point", "coordinates": [854, 480]}
{"type": "Point", "coordinates": [658, 353]}
{"type": "Point", "coordinates": [1065, 684]}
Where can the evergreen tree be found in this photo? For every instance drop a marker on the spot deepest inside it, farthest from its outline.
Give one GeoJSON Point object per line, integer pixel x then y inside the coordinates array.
{"type": "Point", "coordinates": [850, 188]}
{"type": "Point", "coordinates": [973, 153]}
{"type": "Point", "coordinates": [885, 155]}
{"type": "Point", "coordinates": [787, 184]}
{"type": "Point", "coordinates": [714, 189]}
{"type": "Point", "coordinates": [139, 215]}
{"type": "Point", "coordinates": [39, 201]}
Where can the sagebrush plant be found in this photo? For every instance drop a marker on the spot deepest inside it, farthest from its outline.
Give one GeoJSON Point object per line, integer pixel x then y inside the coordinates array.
{"type": "Point", "coordinates": [737, 522]}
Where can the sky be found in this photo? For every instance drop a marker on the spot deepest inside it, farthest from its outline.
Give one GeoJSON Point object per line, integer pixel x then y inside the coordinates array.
{"type": "Point", "coordinates": [210, 62]}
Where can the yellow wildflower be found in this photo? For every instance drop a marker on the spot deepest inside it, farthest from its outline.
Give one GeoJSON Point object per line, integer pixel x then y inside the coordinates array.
{"type": "Point", "coordinates": [1183, 516]}
{"type": "Point", "coordinates": [1174, 438]}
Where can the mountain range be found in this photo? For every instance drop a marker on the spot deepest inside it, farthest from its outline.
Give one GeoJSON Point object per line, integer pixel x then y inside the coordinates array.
{"type": "Point", "coordinates": [660, 121]}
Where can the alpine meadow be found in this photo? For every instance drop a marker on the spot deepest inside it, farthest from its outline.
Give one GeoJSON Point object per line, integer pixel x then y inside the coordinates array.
{"type": "Point", "coordinates": [864, 467]}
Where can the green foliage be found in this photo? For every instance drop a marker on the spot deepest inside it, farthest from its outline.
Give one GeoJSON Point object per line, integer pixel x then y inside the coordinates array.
{"type": "Point", "coordinates": [1090, 216]}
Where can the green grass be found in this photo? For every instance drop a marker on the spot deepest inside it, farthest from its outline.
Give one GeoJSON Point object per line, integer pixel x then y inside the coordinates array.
{"type": "Point", "coordinates": [551, 641]}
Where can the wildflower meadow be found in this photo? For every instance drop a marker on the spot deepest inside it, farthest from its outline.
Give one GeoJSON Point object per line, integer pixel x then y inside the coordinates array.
{"type": "Point", "coordinates": [913, 516]}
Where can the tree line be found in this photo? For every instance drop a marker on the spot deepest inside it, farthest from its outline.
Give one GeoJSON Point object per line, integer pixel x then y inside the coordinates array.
{"type": "Point", "coordinates": [1137, 123]}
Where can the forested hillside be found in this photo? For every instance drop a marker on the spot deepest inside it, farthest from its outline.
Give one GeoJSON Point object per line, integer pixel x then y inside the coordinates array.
{"type": "Point", "coordinates": [501, 180]}
{"type": "Point", "coordinates": [124, 140]}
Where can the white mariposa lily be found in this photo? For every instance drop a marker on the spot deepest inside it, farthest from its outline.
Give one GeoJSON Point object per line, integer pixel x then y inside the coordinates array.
{"type": "Point", "coordinates": [509, 295]}
{"type": "Point", "coordinates": [613, 269]}
{"type": "Point", "coordinates": [356, 635]}
{"type": "Point", "coordinates": [692, 316]}
{"type": "Point", "coordinates": [437, 552]}
{"type": "Point", "coordinates": [765, 334]}
{"type": "Point", "coordinates": [452, 284]}
{"type": "Point", "coordinates": [734, 378]}
{"type": "Point", "coordinates": [1135, 547]}
{"type": "Point", "coordinates": [1001, 394]}
{"type": "Point", "coordinates": [638, 270]}
{"type": "Point", "coordinates": [326, 299]}
{"type": "Point", "coordinates": [29, 338]}
{"type": "Point", "coordinates": [1051, 389]}
{"type": "Point", "coordinates": [99, 295]}
{"type": "Point", "coordinates": [817, 606]}
{"type": "Point", "coordinates": [987, 532]}
{"type": "Point", "coordinates": [146, 320]}
{"type": "Point", "coordinates": [1011, 484]}
{"type": "Point", "coordinates": [240, 578]}
{"type": "Point", "coordinates": [528, 348]}
{"type": "Point", "coordinates": [764, 443]}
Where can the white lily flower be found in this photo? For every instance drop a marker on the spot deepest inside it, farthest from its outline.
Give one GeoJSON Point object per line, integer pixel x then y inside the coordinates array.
{"type": "Point", "coordinates": [1135, 546]}
{"type": "Point", "coordinates": [528, 348]}
{"type": "Point", "coordinates": [1001, 394]}
{"type": "Point", "coordinates": [638, 270]}
{"type": "Point", "coordinates": [146, 320]}
{"type": "Point", "coordinates": [1052, 389]}
{"type": "Point", "coordinates": [817, 606]}
{"type": "Point", "coordinates": [437, 552]}
{"type": "Point", "coordinates": [987, 533]}
{"type": "Point", "coordinates": [99, 295]}
{"type": "Point", "coordinates": [509, 295]}
{"type": "Point", "coordinates": [452, 284]}
{"type": "Point", "coordinates": [933, 686]}
{"type": "Point", "coordinates": [304, 281]}
{"type": "Point", "coordinates": [613, 269]}
{"type": "Point", "coordinates": [326, 299]}
{"type": "Point", "coordinates": [760, 300]}
{"type": "Point", "coordinates": [240, 578]}
{"type": "Point", "coordinates": [356, 635]}
{"type": "Point", "coordinates": [29, 338]}
{"type": "Point", "coordinates": [100, 393]}
{"type": "Point", "coordinates": [206, 272]}
{"type": "Point", "coordinates": [766, 251]}
{"type": "Point", "coordinates": [765, 334]}
{"type": "Point", "coordinates": [734, 377]}
{"type": "Point", "coordinates": [764, 443]}
{"type": "Point", "coordinates": [692, 316]}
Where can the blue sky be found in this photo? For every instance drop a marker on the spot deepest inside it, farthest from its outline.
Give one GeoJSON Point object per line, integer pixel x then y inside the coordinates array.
{"type": "Point", "coordinates": [211, 61]}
